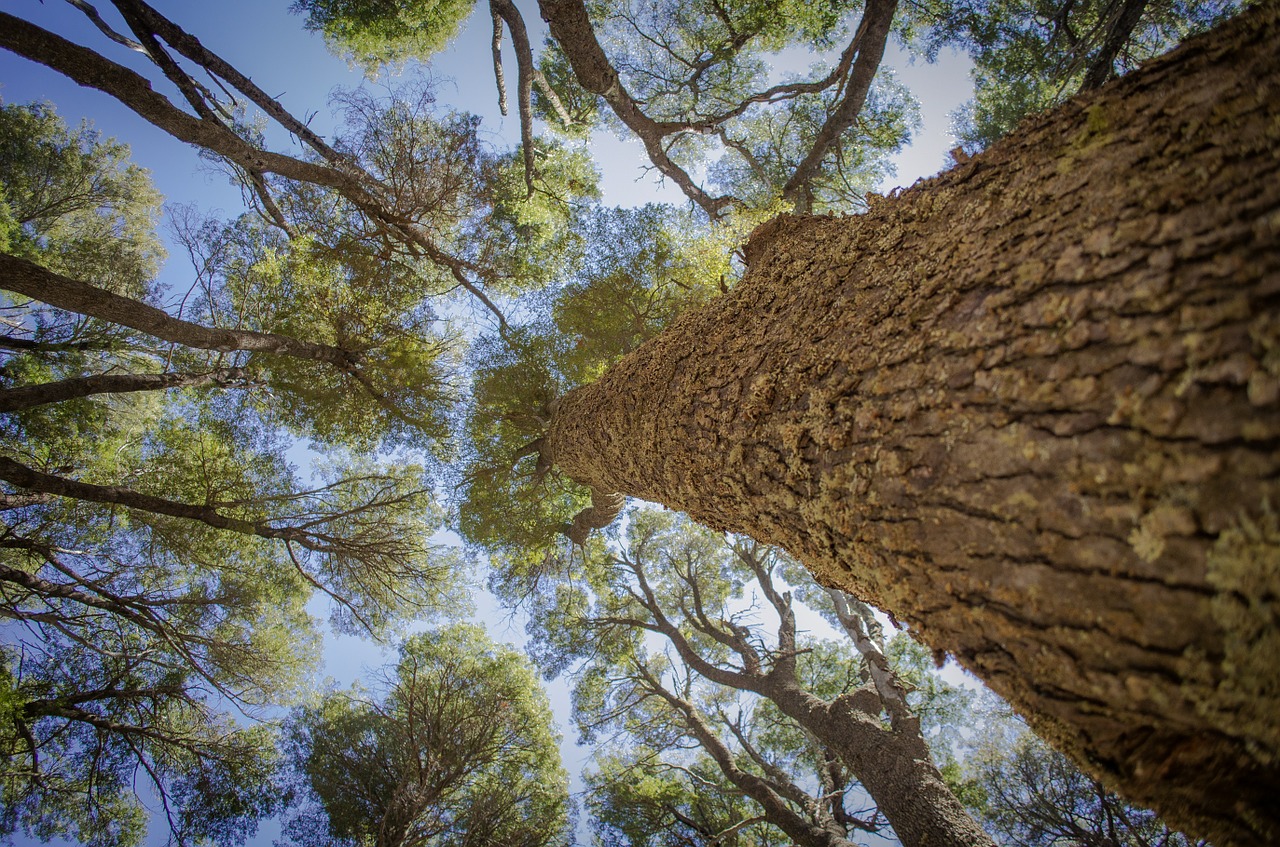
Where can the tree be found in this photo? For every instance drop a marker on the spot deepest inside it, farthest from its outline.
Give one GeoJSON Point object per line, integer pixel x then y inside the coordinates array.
{"type": "Point", "coordinates": [1033, 796]}
{"type": "Point", "coordinates": [777, 714]}
{"type": "Point", "coordinates": [1023, 791]}
{"type": "Point", "coordinates": [156, 548]}
{"type": "Point", "coordinates": [1042, 377]}
{"type": "Point", "coordinates": [375, 34]}
{"type": "Point", "coordinates": [974, 427]}
{"type": "Point", "coordinates": [637, 798]}
{"type": "Point", "coordinates": [458, 750]}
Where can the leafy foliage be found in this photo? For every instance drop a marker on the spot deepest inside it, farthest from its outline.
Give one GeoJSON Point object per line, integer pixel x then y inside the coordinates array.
{"type": "Point", "coordinates": [1030, 55]}
{"type": "Point", "coordinates": [157, 549]}
{"type": "Point", "coordinates": [676, 666]}
{"type": "Point", "coordinates": [457, 752]}
{"type": "Point", "coordinates": [375, 33]}
{"type": "Point", "coordinates": [72, 201]}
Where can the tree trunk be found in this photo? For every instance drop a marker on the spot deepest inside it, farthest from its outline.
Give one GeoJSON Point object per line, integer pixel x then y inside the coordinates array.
{"type": "Point", "coordinates": [1030, 408]}
{"type": "Point", "coordinates": [893, 765]}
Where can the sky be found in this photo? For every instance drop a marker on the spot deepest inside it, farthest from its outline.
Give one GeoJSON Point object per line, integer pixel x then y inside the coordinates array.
{"type": "Point", "coordinates": [262, 39]}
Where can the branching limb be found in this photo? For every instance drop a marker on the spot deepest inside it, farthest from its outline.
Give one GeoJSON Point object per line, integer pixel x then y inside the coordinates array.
{"type": "Point", "coordinates": [524, 82]}
{"type": "Point", "coordinates": [572, 29]}
{"type": "Point", "coordinates": [870, 38]}
{"type": "Point", "coordinates": [882, 676]}
{"type": "Point", "coordinates": [32, 280]}
{"type": "Point", "coordinates": [28, 396]}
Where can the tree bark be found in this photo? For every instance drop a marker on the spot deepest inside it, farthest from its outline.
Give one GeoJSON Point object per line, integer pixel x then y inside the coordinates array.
{"type": "Point", "coordinates": [1030, 408]}
{"type": "Point", "coordinates": [894, 765]}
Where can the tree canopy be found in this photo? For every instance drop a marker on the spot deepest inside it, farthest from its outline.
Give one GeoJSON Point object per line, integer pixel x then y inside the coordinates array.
{"type": "Point", "coordinates": [419, 308]}
{"type": "Point", "coordinates": [458, 750]}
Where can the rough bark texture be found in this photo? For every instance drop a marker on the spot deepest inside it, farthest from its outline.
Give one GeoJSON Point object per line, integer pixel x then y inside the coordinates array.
{"type": "Point", "coordinates": [1032, 409]}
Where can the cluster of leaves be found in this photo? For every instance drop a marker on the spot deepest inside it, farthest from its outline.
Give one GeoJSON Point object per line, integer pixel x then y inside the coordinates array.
{"type": "Point", "coordinates": [458, 750]}
{"type": "Point", "coordinates": [1030, 55]}
{"type": "Point", "coordinates": [374, 35]}
{"type": "Point", "coordinates": [157, 549]}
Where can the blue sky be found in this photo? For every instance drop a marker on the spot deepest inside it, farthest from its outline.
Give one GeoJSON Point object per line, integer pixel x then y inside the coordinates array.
{"type": "Point", "coordinates": [263, 40]}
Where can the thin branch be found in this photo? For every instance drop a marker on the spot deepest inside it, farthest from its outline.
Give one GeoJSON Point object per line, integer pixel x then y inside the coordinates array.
{"type": "Point", "coordinates": [32, 280]}
{"type": "Point", "coordinates": [871, 36]}
{"type": "Point", "coordinates": [29, 396]}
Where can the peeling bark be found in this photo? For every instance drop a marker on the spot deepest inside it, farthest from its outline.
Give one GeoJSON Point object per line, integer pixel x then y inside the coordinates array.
{"type": "Point", "coordinates": [1031, 408]}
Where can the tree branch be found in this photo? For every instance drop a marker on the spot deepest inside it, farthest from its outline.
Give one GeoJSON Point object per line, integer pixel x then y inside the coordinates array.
{"type": "Point", "coordinates": [32, 280]}
{"type": "Point", "coordinates": [29, 396]}
{"type": "Point", "coordinates": [872, 34]}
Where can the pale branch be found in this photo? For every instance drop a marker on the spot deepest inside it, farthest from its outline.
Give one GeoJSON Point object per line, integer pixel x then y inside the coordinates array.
{"type": "Point", "coordinates": [882, 676]}
{"type": "Point", "coordinates": [29, 396]}
{"type": "Point", "coordinates": [496, 45]}
{"type": "Point", "coordinates": [553, 99]}
{"type": "Point", "coordinates": [270, 211]}
{"type": "Point", "coordinates": [32, 280]}
{"type": "Point", "coordinates": [871, 36]}
{"type": "Point", "coordinates": [718, 838]}
{"type": "Point", "coordinates": [190, 47]}
{"type": "Point", "coordinates": [91, 12]}
{"type": "Point", "coordinates": [524, 82]}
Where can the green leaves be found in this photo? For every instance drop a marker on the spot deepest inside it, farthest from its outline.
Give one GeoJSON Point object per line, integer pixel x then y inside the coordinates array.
{"type": "Point", "coordinates": [375, 34]}
{"type": "Point", "coordinates": [457, 751]}
{"type": "Point", "coordinates": [161, 552]}
{"type": "Point", "coordinates": [74, 203]}
{"type": "Point", "coordinates": [1030, 55]}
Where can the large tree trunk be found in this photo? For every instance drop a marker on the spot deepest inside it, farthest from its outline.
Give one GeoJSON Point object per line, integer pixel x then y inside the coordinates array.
{"type": "Point", "coordinates": [1032, 409]}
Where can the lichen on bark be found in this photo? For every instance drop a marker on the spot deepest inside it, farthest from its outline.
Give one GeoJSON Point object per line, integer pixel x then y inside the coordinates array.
{"type": "Point", "coordinates": [1028, 407]}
